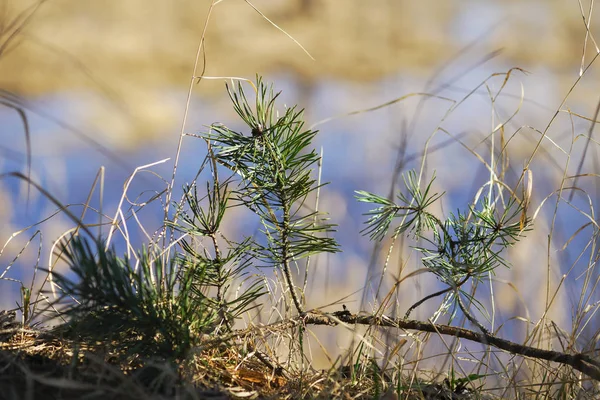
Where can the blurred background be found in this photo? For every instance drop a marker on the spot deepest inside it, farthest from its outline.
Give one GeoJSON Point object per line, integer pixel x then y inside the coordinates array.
{"type": "Point", "coordinates": [105, 83]}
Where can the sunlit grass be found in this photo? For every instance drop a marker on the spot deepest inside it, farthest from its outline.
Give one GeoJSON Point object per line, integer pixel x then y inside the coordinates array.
{"type": "Point", "coordinates": [196, 312]}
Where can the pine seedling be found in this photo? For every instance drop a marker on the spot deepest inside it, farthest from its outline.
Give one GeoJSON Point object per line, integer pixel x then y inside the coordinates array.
{"type": "Point", "coordinates": [275, 162]}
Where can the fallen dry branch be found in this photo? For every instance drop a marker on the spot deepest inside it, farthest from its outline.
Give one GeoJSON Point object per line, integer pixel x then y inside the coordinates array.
{"type": "Point", "coordinates": [578, 361]}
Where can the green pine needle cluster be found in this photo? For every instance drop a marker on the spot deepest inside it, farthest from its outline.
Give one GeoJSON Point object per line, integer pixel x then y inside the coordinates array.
{"type": "Point", "coordinates": [147, 307]}
{"type": "Point", "coordinates": [463, 248]}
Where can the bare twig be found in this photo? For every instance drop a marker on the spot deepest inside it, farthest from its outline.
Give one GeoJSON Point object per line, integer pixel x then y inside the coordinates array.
{"type": "Point", "coordinates": [579, 361]}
